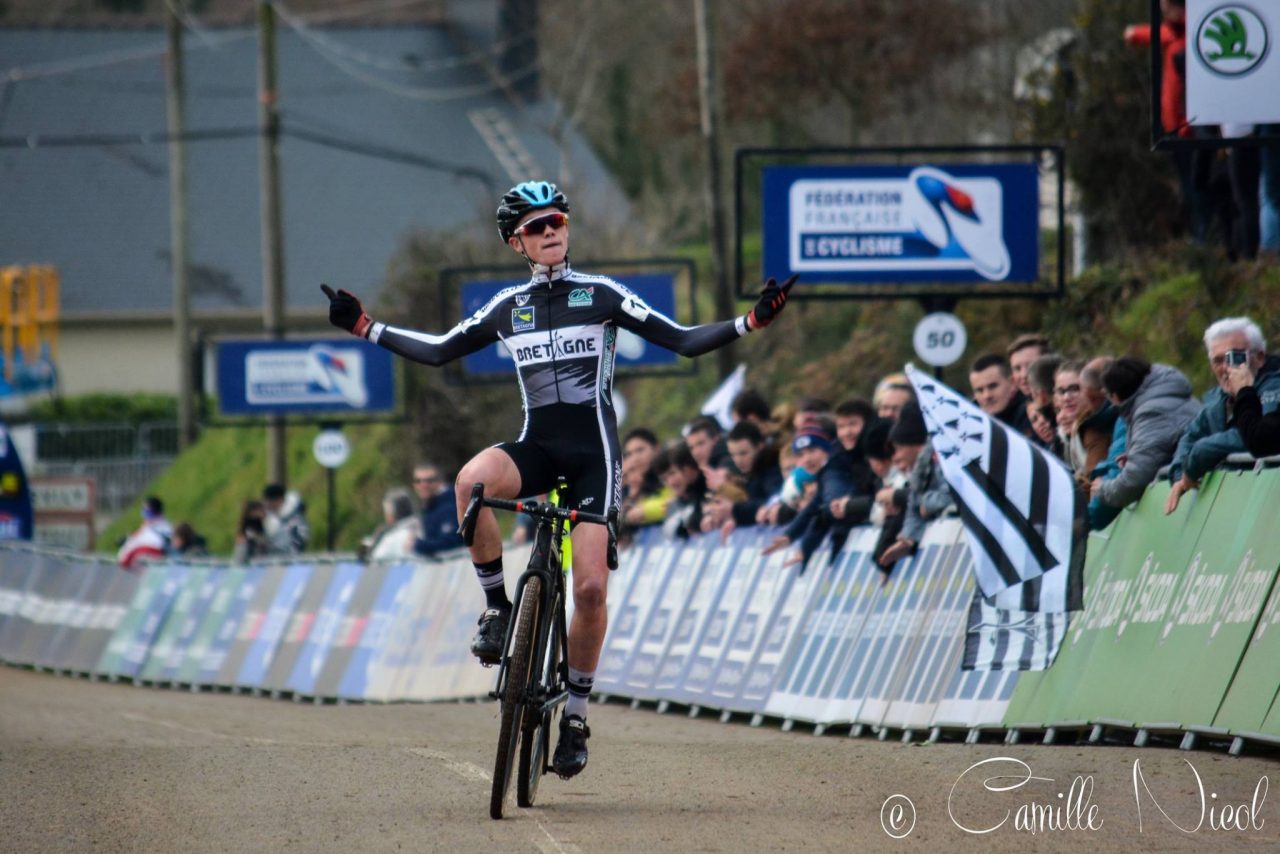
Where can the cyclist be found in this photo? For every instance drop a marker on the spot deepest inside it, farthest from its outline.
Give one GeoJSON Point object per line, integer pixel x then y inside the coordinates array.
{"type": "Point", "coordinates": [560, 328]}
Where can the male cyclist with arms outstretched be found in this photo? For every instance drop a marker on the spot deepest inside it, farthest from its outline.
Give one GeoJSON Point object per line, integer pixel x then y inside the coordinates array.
{"type": "Point", "coordinates": [561, 329]}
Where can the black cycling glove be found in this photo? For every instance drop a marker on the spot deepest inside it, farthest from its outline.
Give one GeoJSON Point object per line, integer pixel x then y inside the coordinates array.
{"type": "Point", "coordinates": [773, 298]}
{"type": "Point", "coordinates": [345, 312]}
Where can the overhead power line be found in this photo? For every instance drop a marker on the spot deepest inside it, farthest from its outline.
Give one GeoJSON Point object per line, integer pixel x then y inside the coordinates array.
{"type": "Point", "coordinates": [316, 137]}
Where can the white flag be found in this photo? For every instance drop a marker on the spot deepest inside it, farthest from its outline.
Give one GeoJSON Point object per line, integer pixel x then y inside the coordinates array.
{"type": "Point", "coordinates": [720, 405]}
{"type": "Point", "coordinates": [1021, 509]}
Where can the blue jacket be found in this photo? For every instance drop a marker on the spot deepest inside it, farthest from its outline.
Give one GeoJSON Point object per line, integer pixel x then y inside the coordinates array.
{"type": "Point", "coordinates": [1211, 436]}
{"type": "Point", "coordinates": [439, 524]}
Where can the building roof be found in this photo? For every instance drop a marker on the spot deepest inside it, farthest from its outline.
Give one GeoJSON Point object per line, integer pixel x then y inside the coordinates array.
{"type": "Point", "coordinates": [387, 131]}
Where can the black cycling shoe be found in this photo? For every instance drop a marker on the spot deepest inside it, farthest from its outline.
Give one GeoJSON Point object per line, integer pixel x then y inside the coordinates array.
{"type": "Point", "coordinates": [571, 749]}
{"type": "Point", "coordinates": [487, 644]}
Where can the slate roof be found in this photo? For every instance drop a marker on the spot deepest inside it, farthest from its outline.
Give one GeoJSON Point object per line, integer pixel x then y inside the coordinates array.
{"type": "Point", "coordinates": [101, 214]}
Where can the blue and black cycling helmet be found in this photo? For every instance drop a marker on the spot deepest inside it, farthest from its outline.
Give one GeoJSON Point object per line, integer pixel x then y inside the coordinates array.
{"type": "Point", "coordinates": [522, 198]}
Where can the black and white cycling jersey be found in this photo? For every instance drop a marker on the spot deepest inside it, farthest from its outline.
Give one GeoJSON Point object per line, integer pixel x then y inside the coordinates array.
{"type": "Point", "coordinates": [561, 331]}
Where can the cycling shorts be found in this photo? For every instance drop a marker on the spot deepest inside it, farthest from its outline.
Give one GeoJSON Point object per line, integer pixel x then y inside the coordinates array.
{"type": "Point", "coordinates": [574, 442]}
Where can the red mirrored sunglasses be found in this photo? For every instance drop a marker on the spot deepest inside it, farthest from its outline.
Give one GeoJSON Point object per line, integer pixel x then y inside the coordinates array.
{"type": "Point", "coordinates": [540, 224]}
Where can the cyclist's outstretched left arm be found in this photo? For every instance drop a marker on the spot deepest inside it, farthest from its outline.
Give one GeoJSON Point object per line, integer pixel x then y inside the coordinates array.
{"type": "Point", "coordinates": [637, 316]}
{"type": "Point", "coordinates": [345, 312]}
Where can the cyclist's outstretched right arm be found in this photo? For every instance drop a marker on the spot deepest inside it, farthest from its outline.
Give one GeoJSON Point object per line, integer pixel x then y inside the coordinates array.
{"type": "Point", "coordinates": [474, 333]}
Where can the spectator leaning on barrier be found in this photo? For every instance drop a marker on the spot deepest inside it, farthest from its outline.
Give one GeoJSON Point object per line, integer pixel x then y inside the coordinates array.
{"type": "Point", "coordinates": [1212, 437]}
{"type": "Point", "coordinates": [995, 393]}
{"type": "Point", "coordinates": [816, 453]}
{"type": "Point", "coordinates": [682, 475]}
{"type": "Point", "coordinates": [763, 478]}
{"type": "Point", "coordinates": [1086, 418]}
{"type": "Point", "coordinates": [872, 463]}
{"type": "Point", "coordinates": [187, 542]}
{"type": "Point", "coordinates": [1261, 433]}
{"type": "Point", "coordinates": [1022, 351]}
{"type": "Point", "coordinates": [644, 499]}
{"type": "Point", "coordinates": [928, 496]}
{"type": "Point", "coordinates": [908, 439]}
{"type": "Point", "coordinates": [708, 448]}
{"type": "Point", "coordinates": [438, 518]}
{"type": "Point", "coordinates": [398, 533]}
{"type": "Point", "coordinates": [286, 522]}
{"type": "Point", "coordinates": [1156, 403]}
{"type": "Point", "coordinates": [152, 539]}
{"type": "Point", "coordinates": [1040, 409]}
{"type": "Point", "coordinates": [251, 535]}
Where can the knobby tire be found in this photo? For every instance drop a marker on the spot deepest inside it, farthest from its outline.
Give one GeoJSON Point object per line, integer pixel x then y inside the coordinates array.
{"type": "Point", "coordinates": [536, 740]}
{"type": "Point", "coordinates": [513, 705]}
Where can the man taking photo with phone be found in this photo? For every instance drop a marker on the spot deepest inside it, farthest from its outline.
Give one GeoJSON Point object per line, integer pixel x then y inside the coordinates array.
{"type": "Point", "coordinates": [1211, 436]}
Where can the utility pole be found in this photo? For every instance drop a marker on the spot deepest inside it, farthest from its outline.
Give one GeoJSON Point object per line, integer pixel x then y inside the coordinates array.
{"type": "Point", "coordinates": [176, 96]}
{"type": "Point", "coordinates": [725, 356]}
{"type": "Point", "coordinates": [272, 248]}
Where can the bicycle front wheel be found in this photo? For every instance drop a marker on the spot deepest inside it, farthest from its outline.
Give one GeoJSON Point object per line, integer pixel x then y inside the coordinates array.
{"type": "Point", "coordinates": [513, 696]}
{"type": "Point", "coordinates": [535, 744]}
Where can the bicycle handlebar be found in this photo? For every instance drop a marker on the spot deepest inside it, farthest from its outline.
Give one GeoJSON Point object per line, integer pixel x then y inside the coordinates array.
{"type": "Point", "coordinates": [538, 510]}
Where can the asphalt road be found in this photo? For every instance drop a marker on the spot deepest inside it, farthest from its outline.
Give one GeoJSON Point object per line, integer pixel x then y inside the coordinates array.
{"type": "Point", "coordinates": [111, 767]}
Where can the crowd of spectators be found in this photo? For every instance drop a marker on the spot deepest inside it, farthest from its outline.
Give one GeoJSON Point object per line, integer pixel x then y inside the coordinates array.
{"type": "Point", "coordinates": [816, 470]}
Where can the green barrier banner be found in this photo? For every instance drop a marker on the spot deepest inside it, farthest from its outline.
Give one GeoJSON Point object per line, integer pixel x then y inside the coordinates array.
{"type": "Point", "coordinates": [1171, 602]}
{"type": "Point", "coordinates": [149, 594]}
{"type": "Point", "coordinates": [1127, 580]}
{"type": "Point", "coordinates": [228, 582]}
{"type": "Point", "coordinates": [1253, 689]}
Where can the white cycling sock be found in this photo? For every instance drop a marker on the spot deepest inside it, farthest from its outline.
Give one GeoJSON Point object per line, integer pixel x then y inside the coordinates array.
{"type": "Point", "coordinates": [580, 683]}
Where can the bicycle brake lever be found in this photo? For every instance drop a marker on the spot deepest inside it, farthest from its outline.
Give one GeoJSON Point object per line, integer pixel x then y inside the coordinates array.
{"type": "Point", "coordinates": [467, 527]}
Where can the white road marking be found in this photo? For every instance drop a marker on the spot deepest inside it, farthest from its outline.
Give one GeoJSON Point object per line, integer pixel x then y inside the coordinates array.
{"type": "Point", "coordinates": [466, 770]}
{"type": "Point", "coordinates": [471, 771]}
{"type": "Point", "coordinates": [177, 727]}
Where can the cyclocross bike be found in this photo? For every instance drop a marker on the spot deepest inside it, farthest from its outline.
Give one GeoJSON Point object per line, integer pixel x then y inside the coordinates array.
{"type": "Point", "coordinates": [533, 676]}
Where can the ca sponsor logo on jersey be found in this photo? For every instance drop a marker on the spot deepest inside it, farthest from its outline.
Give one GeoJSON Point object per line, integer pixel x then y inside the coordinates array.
{"type": "Point", "coordinates": [522, 319]}
{"type": "Point", "coordinates": [581, 297]}
{"type": "Point", "coordinates": [522, 299]}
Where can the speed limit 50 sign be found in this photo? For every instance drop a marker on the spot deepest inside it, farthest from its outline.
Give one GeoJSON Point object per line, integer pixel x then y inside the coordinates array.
{"type": "Point", "coordinates": [939, 339]}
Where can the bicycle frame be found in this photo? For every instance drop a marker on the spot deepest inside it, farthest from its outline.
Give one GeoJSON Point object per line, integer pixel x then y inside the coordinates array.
{"type": "Point", "coordinates": [544, 563]}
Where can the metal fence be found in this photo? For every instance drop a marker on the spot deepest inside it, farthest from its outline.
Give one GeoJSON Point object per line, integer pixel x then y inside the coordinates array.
{"type": "Point", "coordinates": [121, 458]}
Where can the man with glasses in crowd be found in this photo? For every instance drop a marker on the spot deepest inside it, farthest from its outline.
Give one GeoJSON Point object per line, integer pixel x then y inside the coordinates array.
{"type": "Point", "coordinates": [438, 517]}
{"type": "Point", "coordinates": [561, 330]}
{"type": "Point", "coordinates": [1211, 436]}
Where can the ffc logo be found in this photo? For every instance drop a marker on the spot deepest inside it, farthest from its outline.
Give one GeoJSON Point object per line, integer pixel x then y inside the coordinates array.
{"type": "Point", "coordinates": [522, 319]}
{"type": "Point", "coordinates": [1232, 40]}
{"type": "Point", "coordinates": [581, 297]}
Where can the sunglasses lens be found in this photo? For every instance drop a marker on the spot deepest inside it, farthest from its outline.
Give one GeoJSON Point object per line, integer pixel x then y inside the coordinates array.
{"type": "Point", "coordinates": [542, 223]}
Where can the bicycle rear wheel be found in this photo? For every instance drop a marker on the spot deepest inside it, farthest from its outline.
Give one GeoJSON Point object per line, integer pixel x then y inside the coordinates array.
{"type": "Point", "coordinates": [536, 741]}
{"type": "Point", "coordinates": [513, 697]}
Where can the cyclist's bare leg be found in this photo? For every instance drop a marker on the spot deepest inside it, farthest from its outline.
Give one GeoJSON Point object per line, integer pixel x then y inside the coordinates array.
{"type": "Point", "coordinates": [501, 479]}
{"type": "Point", "coordinates": [590, 585]}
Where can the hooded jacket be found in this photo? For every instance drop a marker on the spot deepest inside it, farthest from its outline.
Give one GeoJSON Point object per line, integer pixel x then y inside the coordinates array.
{"type": "Point", "coordinates": [1156, 415]}
{"type": "Point", "coordinates": [287, 530]}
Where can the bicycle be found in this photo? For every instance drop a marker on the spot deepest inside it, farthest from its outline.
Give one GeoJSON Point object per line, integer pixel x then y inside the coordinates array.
{"type": "Point", "coordinates": [533, 675]}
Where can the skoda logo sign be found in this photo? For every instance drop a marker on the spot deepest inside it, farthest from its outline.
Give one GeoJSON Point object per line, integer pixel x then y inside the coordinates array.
{"type": "Point", "coordinates": [1232, 40]}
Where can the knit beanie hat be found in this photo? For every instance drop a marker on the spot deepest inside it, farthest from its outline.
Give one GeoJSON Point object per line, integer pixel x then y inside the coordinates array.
{"type": "Point", "coordinates": [909, 429]}
{"type": "Point", "coordinates": [811, 437]}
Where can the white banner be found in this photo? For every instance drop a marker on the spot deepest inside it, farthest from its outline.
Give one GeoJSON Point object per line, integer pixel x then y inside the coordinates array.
{"type": "Point", "coordinates": [1233, 68]}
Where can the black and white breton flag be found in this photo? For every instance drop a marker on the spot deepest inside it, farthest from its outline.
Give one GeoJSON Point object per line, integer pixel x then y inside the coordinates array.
{"type": "Point", "coordinates": [1004, 639]}
{"type": "Point", "coordinates": [1021, 508]}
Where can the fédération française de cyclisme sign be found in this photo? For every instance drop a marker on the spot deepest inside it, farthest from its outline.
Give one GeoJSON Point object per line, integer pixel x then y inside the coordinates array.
{"type": "Point", "coordinates": [865, 224]}
{"type": "Point", "coordinates": [281, 377]}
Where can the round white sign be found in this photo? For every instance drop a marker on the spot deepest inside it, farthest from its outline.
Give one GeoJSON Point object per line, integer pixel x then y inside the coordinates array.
{"type": "Point", "coordinates": [939, 339]}
{"type": "Point", "coordinates": [331, 448]}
